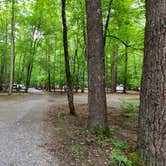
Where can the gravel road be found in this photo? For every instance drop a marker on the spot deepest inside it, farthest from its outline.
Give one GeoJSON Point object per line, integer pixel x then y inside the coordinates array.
{"type": "Point", "coordinates": [24, 129]}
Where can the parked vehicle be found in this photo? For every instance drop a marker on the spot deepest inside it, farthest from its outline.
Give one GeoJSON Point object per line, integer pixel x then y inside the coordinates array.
{"type": "Point", "coordinates": [14, 86]}
{"type": "Point", "coordinates": [120, 88]}
{"type": "Point", "coordinates": [18, 87]}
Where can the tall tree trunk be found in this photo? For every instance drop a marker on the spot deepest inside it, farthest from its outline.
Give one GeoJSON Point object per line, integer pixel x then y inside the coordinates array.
{"type": "Point", "coordinates": [106, 74]}
{"type": "Point", "coordinates": [33, 46]}
{"type": "Point", "coordinates": [77, 76]}
{"type": "Point", "coordinates": [12, 49]}
{"type": "Point", "coordinates": [125, 70]}
{"type": "Point", "coordinates": [114, 69]}
{"type": "Point", "coordinates": [19, 69]}
{"type": "Point", "coordinates": [5, 59]}
{"type": "Point", "coordinates": [105, 38]}
{"type": "Point", "coordinates": [49, 74]}
{"type": "Point", "coordinates": [82, 81]}
{"type": "Point", "coordinates": [135, 67]}
{"type": "Point", "coordinates": [107, 21]}
{"type": "Point", "coordinates": [60, 72]}
{"type": "Point", "coordinates": [22, 69]}
{"type": "Point", "coordinates": [152, 115]}
{"type": "Point", "coordinates": [29, 71]}
{"type": "Point", "coordinates": [96, 67]}
{"type": "Point", "coordinates": [67, 66]}
{"type": "Point", "coordinates": [74, 65]}
{"type": "Point", "coordinates": [84, 35]}
{"type": "Point", "coordinates": [76, 69]}
{"type": "Point", "coordinates": [54, 66]}
{"type": "Point", "coordinates": [85, 53]}
{"type": "Point", "coordinates": [48, 65]}
{"type": "Point", "coordinates": [3, 70]}
{"type": "Point", "coordinates": [6, 48]}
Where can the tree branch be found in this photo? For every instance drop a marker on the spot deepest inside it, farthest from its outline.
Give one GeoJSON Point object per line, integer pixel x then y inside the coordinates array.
{"type": "Point", "coordinates": [124, 43]}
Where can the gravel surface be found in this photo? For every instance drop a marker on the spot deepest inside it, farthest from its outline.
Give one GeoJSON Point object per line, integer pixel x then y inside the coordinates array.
{"type": "Point", "coordinates": [24, 131]}
{"type": "Point", "coordinates": [113, 100]}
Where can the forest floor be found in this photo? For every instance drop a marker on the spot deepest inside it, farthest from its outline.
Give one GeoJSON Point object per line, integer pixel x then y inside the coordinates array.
{"type": "Point", "coordinates": [37, 130]}
{"type": "Point", "coordinates": [75, 146]}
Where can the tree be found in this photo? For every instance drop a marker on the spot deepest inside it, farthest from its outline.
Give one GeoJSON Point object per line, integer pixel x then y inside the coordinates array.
{"type": "Point", "coordinates": [107, 21]}
{"type": "Point", "coordinates": [4, 60]}
{"type": "Point", "coordinates": [67, 66]}
{"type": "Point", "coordinates": [96, 67]}
{"type": "Point", "coordinates": [30, 61]}
{"type": "Point", "coordinates": [12, 49]}
{"type": "Point", "coordinates": [121, 19]}
{"type": "Point", "coordinates": [114, 69]}
{"type": "Point", "coordinates": [126, 29]}
{"type": "Point", "coordinates": [152, 115]}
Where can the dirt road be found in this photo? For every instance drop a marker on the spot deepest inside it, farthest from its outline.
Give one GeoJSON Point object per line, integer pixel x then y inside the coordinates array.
{"type": "Point", "coordinates": [24, 130]}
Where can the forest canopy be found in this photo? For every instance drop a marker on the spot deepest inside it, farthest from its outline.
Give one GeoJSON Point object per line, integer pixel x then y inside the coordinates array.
{"type": "Point", "coordinates": [39, 59]}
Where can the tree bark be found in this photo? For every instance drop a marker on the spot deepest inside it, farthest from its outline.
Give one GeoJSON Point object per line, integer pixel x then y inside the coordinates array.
{"type": "Point", "coordinates": [48, 65]}
{"type": "Point", "coordinates": [83, 80]}
{"type": "Point", "coordinates": [34, 45]}
{"type": "Point", "coordinates": [84, 35]}
{"type": "Point", "coordinates": [54, 66]}
{"type": "Point", "coordinates": [107, 21]}
{"type": "Point", "coordinates": [19, 69]}
{"type": "Point", "coordinates": [12, 49]}
{"type": "Point", "coordinates": [152, 115]}
{"type": "Point", "coordinates": [49, 75]}
{"type": "Point", "coordinates": [96, 66]}
{"type": "Point", "coordinates": [22, 69]}
{"type": "Point", "coordinates": [85, 54]}
{"type": "Point", "coordinates": [74, 74]}
{"type": "Point", "coordinates": [3, 79]}
{"type": "Point", "coordinates": [114, 70]}
{"type": "Point", "coordinates": [125, 70]}
{"type": "Point", "coordinates": [67, 66]}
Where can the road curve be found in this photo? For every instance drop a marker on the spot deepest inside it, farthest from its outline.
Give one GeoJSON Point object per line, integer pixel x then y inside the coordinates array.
{"type": "Point", "coordinates": [24, 131]}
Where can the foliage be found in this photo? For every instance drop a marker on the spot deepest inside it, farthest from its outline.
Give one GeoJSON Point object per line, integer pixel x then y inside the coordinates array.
{"type": "Point", "coordinates": [119, 144]}
{"type": "Point", "coordinates": [128, 107]}
{"type": "Point", "coordinates": [135, 158]}
{"type": "Point", "coordinates": [118, 157]}
{"type": "Point", "coordinates": [82, 129]}
{"type": "Point", "coordinates": [100, 135]}
{"type": "Point", "coordinates": [38, 41]}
